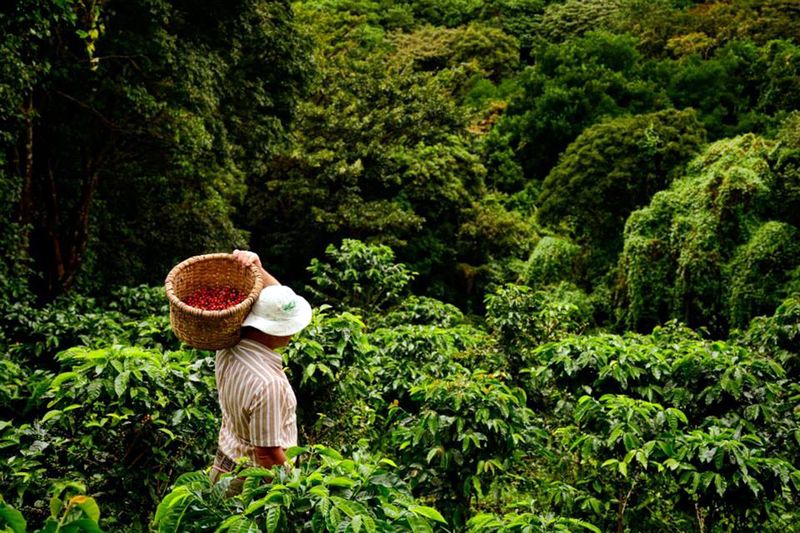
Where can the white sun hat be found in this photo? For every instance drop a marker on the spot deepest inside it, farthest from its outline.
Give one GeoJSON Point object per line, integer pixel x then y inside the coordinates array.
{"type": "Point", "coordinates": [279, 311]}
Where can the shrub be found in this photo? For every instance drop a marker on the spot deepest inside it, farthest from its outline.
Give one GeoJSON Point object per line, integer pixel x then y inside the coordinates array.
{"type": "Point", "coordinates": [328, 367]}
{"type": "Point", "coordinates": [359, 275]}
{"type": "Point", "coordinates": [113, 411]}
{"type": "Point", "coordinates": [407, 356]}
{"type": "Point", "coordinates": [461, 431]}
{"type": "Point", "coordinates": [708, 423]}
{"type": "Point", "coordinates": [325, 492]}
{"type": "Point", "coordinates": [133, 316]}
{"type": "Point", "coordinates": [524, 318]}
{"type": "Point", "coordinates": [423, 311]}
{"type": "Point", "coordinates": [70, 510]}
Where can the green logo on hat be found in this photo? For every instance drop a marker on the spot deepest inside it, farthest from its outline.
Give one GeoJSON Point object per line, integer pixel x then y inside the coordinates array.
{"type": "Point", "coordinates": [288, 306]}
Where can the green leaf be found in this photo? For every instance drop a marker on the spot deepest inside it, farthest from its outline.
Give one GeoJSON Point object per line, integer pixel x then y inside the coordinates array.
{"type": "Point", "coordinates": [355, 524]}
{"type": "Point", "coordinates": [427, 512]}
{"type": "Point", "coordinates": [168, 512]}
{"type": "Point", "coordinates": [417, 524]}
{"type": "Point", "coordinates": [51, 414]}
{"type": "Point", "coordinates": [88, 506]}
{"type": "Point", "coordinates": [121, 382]}
{"type": "Point", "coordinates": [245, 525]}
{"type": "Point", "coordinates": [84, 524]}
{"type": "Point", "coordinates": [328, 452]}
{"type": "Point", "coordinates": [369, 524]}
{"type": "Point", "coordinates": [61, 378]}
{"type": "Point", "coordinates": [273, 519]}
{"type": "Point", "coordinates": [585, 525]}
{"type": "Point", "coordinates": [345, 506]}
{"type": "Point", "coordinates": [12, 518]}
{"type": "Point", "coordinates": [340, 482]}
{"type": "Point", "coordinates": [167, 432]}
{"type": "Point", "coordinates": [228, 522]}
{"type": "Point", "coordinates": [629, 440]}
{"type": "Point", "coordinates": [294, 451]}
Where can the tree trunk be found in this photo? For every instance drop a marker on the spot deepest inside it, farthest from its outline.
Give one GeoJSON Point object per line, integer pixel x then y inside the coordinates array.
{"type": "Point", "coordinates": [25, 208]}
{"type": "Point", "coordinates": [80, 237]}
{"type": "Point", "coordinates": [55, 271]}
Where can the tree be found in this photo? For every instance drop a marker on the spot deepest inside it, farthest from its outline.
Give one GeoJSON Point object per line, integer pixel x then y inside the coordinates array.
{"type": "Point", "coordinates": [573, 85]}
{"type": "Point", "coordinates": [613, 168]}
{"type": "Point", "coordinates": [380, 153]}
{"type": "Point", "coordinates": [153, 113]}
{"type": "Point", "coordinates": [561, 21]}
{"type": "Point", "coordinates": [719, 244]}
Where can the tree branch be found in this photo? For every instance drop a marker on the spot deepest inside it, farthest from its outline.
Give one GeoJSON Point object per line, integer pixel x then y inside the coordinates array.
{"type": "Point", "coordinates": [89, 108]}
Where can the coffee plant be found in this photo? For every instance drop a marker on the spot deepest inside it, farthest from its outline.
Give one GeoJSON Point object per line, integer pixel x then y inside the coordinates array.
{"type": "Point", "coordinates": [323, 492]}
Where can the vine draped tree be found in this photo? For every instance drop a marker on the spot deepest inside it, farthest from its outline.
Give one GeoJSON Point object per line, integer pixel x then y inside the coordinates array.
{"type": "Point", "coordinates": [627, 159]}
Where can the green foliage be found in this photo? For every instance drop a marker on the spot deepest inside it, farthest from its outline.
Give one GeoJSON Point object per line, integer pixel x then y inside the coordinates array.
{"type": "Point", "coordinates": [325, 492]}
{"type": "Point", "coordinates": [706, 422]}
{"type": "Point", "coordinates": [561, 21]}
{"type": "Point", "coordinates": [758, 270]}
{"type": "Point", "coordinates": [759, 21]}
{"type": "Point", "coordinates": [15, 267]}
{"type": "Point", "coordinates": [411, 355]}
{"type": "Point", "coordinates": [327, 366]}
{"type": "Point", "coordinates": [523, 318]}
{"type": "Point", "coordinates": [571, 86]}
{"type": "Point", "coordinates": [462, 430]}
{"type": "Point", "coordinates": [740, 87]}
{"type": "Point", "coordinates": [134, 134]}
{"type": "Point", "coordinates": [135, 315]}
{"type": "Point", "coordinates": [479, 50]}
{"type": "Point", "coordinates": [130, 126]}
{"type": "Point", "coordinates": [491, 231]}
{"type": "Point", "coordinates": [628, 159]}
{"type": "Point", "coordinates": [112, 411]}
{"type": "Point", "coordinates": [685, 252]}
{"type": "Point", "coordinates": [70, 510]}
{"type": "Point", "coordinates": [529, 522]}
{"type": "Point", "coordinates": [552, 261]}
{"type": "Point", "coordinates": [380, 152]}
{"type": "Point", "coordinates": [421, 310]}
{"type": "Point", "coordinates": [360, 275]}
{"type": "Point", "coordinates": [777, 336]}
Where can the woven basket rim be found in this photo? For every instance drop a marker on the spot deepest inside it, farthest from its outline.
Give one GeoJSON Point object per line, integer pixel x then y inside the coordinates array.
{"type": "Point", "coordinates": [173, 299]}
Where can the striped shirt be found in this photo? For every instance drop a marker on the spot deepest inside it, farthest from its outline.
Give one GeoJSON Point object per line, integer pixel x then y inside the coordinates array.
{"type": "Point", "coordinates": [257, 401]}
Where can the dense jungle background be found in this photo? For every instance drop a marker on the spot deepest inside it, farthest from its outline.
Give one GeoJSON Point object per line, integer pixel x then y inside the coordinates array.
{"type": "Point", "coordinates": [553, 249]}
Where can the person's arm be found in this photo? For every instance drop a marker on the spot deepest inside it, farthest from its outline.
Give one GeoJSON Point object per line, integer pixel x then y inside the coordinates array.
{"type": "Point", "coordinates": [270, 456]}
{"type": "Point", "coordinates": [251, 258]}
{"type": "Point", "coordinates": [266, 421]}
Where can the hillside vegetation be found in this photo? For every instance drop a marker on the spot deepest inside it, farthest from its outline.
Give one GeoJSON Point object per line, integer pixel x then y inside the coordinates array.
{"type": "Point", "coordinates": [553, 249]}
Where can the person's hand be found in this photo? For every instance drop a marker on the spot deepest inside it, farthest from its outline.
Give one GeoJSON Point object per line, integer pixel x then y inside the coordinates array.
{"type": "Point", "coordinates": [247, 258]}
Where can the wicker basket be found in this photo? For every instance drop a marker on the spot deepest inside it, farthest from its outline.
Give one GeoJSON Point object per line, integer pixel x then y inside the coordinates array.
{"type": "Point", "coordinates": [210, 330]}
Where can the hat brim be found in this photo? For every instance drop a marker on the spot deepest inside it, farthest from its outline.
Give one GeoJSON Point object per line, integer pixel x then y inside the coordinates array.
{"type": "Point", "coordinates": [282, 328]}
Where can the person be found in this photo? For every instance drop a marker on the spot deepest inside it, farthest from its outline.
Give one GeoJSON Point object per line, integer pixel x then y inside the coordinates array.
{"type": "Point", "coordinates": [257, 402]}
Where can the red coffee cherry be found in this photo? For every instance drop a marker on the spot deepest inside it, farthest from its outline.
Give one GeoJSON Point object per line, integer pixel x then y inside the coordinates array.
{"type": "Point", "coordinates": [215, 299]}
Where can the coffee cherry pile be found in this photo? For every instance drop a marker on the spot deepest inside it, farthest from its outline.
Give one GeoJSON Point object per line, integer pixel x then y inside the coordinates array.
{"type": "Point", "coordinates": [215, 299]}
